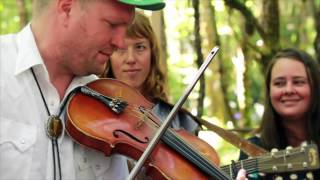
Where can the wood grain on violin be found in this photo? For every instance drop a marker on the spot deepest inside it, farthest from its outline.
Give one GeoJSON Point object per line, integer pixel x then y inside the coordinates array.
{"type": "Point", "coordinates": [98, 118]}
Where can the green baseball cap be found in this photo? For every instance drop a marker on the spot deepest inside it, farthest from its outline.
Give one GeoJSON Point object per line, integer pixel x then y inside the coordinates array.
{"type": "Point", "coordinates": [146, 4]}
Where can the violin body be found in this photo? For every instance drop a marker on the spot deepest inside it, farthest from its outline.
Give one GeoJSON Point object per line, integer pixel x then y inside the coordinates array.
{"type": "Point", "coordinates": [91, 123]}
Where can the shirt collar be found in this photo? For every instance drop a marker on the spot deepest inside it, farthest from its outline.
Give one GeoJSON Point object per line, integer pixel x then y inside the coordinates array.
{"type": "Point", "coordinates": [28, 52]}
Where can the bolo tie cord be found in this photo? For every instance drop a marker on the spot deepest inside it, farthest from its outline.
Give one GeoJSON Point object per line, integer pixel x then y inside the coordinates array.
{"type": "Point", "coordinates": [54, 141]}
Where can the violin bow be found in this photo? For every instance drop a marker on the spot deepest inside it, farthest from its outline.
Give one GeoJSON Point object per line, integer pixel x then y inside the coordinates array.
{"type": "Point", "coordinates": [234, 139]}
{"type": "Point", "coordinates": [166, 123]}
{"type": "Point", "coordinates": [246, 146]}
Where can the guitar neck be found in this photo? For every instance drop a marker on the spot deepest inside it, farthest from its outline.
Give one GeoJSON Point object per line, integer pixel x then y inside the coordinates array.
{"type": "Point", "coordinates": [250, 165]}
{"type": "Point", "coordinates": [297, 159]}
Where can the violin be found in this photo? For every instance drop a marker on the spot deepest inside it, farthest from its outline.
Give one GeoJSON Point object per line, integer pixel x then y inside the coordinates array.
{"type": "Point", "coordinates": [110, 116]}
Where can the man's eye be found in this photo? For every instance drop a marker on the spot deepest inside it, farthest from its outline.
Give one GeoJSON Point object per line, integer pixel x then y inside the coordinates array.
{"type": "Point", "coordinates": [121, 50]}
{"type": "Point", "coordinates": [110, 24]}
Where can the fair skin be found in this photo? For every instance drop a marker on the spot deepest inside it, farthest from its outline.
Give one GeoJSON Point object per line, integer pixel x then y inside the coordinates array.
{"type": "Point", "coordinates": [131, 64]}
{"type": "Point", "coordinates": [290, 94]}
{"type": "Point", "coordinates": [82, 38]}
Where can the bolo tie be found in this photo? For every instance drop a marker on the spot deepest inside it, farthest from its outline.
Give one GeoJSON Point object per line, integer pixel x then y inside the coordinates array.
{"type": "Point", "coordinates": [53, 128]}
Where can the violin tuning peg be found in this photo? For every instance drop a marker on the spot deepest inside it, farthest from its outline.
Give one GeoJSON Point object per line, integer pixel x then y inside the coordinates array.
{"type": "Point", "coordinates": [309, 176]}
{"type": "Point", "coordinates": [293, 176]}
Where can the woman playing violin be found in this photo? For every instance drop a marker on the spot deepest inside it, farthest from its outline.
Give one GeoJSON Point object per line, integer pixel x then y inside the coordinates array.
{"type": "Point", "coordinates": [292, 109]}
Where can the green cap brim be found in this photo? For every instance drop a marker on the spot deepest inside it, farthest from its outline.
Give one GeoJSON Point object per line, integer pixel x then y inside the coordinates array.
{"type": "Point", "coordinates": [152, 5]}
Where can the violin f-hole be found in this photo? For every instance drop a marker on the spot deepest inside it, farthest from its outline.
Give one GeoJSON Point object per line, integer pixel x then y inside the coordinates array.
{"type": "Point", "coordinates": [115, 134]}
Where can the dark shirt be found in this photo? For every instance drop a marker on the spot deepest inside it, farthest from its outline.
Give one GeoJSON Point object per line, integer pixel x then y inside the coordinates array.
{"type": "Point", "coordinates": [285, 176]}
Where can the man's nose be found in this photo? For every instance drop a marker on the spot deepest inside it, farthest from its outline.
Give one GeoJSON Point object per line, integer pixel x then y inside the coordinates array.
{"type": "Point", "coordinates": [118, 38]}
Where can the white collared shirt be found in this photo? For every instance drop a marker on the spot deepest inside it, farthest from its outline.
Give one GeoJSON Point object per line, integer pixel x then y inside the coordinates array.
{"type": "Point", "coordinates": [25, 150]}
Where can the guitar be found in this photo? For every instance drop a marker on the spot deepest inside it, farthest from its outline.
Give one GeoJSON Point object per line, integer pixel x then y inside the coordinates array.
{"type": "Point", "coordinates": [300, 158]}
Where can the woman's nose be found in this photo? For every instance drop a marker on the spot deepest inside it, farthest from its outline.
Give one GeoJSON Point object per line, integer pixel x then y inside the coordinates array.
{"type": "Point", "coordinates": [130, 59]}
{"type": "Point", "coordinates": [289, 88]}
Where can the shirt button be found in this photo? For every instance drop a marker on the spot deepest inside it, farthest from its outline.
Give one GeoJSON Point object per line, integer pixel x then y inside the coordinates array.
{"type": "Point", "coordinates": [22, 141]}
{"type": "Point", "coordinates": [98, 167]}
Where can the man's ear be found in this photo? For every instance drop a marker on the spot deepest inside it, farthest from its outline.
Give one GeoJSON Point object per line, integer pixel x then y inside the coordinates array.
{"type": "Point", "coordinates": [64, 6]}
{"type": "Point", "coordinates": [63, 9]}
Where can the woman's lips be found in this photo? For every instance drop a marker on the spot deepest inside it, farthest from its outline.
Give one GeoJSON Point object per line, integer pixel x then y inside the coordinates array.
{"type": "Point", "coordinates": [132, 72]}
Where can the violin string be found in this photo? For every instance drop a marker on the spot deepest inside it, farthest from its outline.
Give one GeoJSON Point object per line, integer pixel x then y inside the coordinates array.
{"type": "Point", "coordinates": [191, 152]}
{"type": "Point", "coordinates": [250, 164]}
{"type": "Point", "coordinates": [187, 148]}
{"type": "Point", "coordinates": [137, 113]}
{"type": "Point", "coordinates": [179, 143]}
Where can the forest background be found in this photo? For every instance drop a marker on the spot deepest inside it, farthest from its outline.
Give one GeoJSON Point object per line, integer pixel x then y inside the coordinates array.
{"type": "Point", "coordinates": [248, 32]}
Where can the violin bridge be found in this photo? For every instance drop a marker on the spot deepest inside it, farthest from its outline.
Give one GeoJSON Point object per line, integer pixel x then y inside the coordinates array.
{"type": "Point", "coordinates": [140, 122]}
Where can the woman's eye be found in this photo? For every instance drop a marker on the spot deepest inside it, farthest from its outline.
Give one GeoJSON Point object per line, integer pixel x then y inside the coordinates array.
{"type": "Point", "coordinates": [278, 83]}
{"type": "Point", "coordinates": [300, 82]}
{"type": "Point", "coordinates": [140, 47]}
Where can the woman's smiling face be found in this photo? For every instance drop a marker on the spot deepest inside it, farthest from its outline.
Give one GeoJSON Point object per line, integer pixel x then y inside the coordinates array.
{"type": "Point", "coordinates": [290, 90]}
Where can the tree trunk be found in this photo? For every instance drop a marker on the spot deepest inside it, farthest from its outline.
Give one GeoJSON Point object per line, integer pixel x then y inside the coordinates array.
{"type": "Point", "coordinates": [199, 61]}
{"type": "Point", "coordinates": [269, 29]}
{"type": "Point", "coordinates": [316, 13]}
{"type": "Point", "coordinates": [23, 14]}
{"type": "Point", "coordinates": [219, 99]}
{"type": "Point", "coordinates": [158, 24]}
